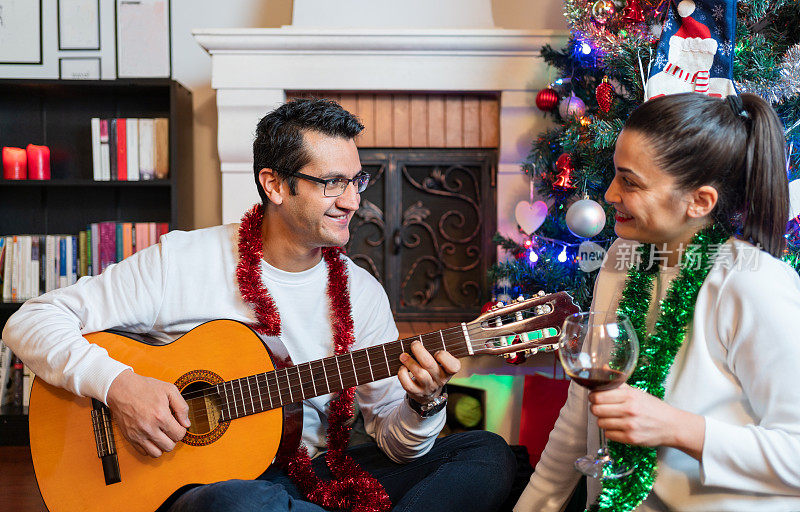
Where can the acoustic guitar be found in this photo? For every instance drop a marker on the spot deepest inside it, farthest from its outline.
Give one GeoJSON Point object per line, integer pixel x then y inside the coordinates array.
{"type": "Point", "coordinates": [244, 397]}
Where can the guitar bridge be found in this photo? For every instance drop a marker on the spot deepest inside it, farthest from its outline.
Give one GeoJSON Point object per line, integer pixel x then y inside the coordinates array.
{"type": "Point", "coordinates": [104, 442]}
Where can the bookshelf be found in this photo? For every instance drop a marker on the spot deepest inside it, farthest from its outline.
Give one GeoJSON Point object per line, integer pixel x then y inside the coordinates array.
{"type": "Point", "coordinates": [57, 113]}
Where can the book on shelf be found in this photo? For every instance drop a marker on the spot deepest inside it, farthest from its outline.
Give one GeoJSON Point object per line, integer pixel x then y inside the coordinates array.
{"type": "Point", "coordinates": [2, 263]}
{"type": "Point", "coordinates": [50, 263]}
{"type": "Point", "coordinates": [122, 149]}
{"type": "Point", "coordinates": [127, 239]}
{"type": "Point", "coordinates": [5, 373]}
{"type": "Point", "coordinates": [27, 382]}
{"type": "Point", "coordinates": [97, 158]}
{"type": "Point", "coordinates": [94, 235]}
{"type": "Point", "coordinates": [161, 145]}
{"type": "Point", "coordinates": [147, 157]}
{"type": "Point", "coordinates": [105, 152]}
{"type": "Point", "coordinates": [130, 149]}
{"type": "Point", "coordinates": [17, 384]}
{"type": "Point", "coordinates": [34, 264]}
{"type": "Point", "coordinates": [112, 149]}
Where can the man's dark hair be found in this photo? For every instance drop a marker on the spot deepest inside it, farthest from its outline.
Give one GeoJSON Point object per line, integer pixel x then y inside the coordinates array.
{"type": "Point", "coordinates": [279, 143]}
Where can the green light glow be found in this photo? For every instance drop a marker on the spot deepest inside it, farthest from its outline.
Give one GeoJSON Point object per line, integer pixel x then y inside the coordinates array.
{"type": "Point", "coordinates": [498, 396]}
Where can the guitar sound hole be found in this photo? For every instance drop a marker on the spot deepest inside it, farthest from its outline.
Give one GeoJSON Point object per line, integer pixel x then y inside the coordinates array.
{"type": "Point", "coordinates": [204, 411]}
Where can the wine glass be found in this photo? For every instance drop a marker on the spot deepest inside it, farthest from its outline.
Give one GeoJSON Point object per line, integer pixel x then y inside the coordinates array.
{"type": "Point", "coordinates": [598, 350]}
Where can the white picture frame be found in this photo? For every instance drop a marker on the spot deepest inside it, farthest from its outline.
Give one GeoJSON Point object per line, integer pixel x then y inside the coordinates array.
{"type": "Point", "coordinates": [78, 24]}
{"type": "Point", "coordinates": [143, 39]}
{"type": "Point", "coordinates": [21, 32]}
{"type": "Point", "coordinates": [79, 68]}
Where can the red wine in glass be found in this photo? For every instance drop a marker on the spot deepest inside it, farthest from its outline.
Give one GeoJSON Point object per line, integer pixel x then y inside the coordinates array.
{"type": "Point", "coordinates": [598, 379]}
{"type": "Point", "coordinates": [599, 350]}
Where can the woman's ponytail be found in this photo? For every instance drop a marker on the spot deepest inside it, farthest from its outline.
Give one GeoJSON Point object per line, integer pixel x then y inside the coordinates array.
{"type": "Point", "coordinates": [766, 197]}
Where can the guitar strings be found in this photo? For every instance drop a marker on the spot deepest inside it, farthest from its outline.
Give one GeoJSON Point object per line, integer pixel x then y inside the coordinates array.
{"type": "Point", "coordinates": [273, 390]}
{"type": "Point", "coordinates": [475, 343]}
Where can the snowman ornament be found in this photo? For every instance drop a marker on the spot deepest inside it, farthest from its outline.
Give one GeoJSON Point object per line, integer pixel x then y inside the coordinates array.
{"type": "Point", "coordinates": [689, 57]}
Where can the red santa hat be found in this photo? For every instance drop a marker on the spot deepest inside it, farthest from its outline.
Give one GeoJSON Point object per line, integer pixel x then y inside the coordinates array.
{"type": "Point", "coordinates": [692, 36]}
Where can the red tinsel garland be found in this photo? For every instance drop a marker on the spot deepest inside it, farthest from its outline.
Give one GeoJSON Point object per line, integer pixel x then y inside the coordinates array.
{"type": "Point", "coordinates": [352, 488]}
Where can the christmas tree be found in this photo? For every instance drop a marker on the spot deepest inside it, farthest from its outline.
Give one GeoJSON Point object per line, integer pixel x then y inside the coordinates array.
{"type": "Point", "coordinates": [614, 46]}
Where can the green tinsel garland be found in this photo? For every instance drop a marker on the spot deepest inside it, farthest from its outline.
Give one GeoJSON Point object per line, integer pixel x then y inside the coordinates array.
{"type": "Point", "coordinates": [656, 354]}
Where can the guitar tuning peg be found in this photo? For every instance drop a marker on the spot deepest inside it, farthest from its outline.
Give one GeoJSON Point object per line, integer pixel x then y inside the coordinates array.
{"type": "Point", "coordinates": [520, 298]}
{"type": "Point", "coordinates": [500, 305]}
{"type": "Point", "coordinates": [541, 293]}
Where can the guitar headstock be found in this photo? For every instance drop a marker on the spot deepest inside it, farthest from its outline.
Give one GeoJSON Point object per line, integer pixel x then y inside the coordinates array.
{"type": "Point", "coordinates": [523, 326]}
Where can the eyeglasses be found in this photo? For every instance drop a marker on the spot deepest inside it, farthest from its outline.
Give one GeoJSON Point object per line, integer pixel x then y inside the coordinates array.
{"type": "Point", "coordinates": [334, 187]}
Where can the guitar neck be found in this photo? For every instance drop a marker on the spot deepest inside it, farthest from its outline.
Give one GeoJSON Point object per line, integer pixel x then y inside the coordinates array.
{"type": "Point", "coordinates": [270, 390]}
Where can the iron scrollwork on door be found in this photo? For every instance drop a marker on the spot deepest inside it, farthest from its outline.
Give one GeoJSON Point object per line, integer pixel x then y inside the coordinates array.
{"type": "Point", "coordinates": [368, 227]}
{"type": "Point", "coordinates": [424, 229]}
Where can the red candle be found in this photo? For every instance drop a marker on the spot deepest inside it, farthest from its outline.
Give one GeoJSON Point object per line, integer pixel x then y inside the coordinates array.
{"type": "Point", "coordinates": [15, 164]}
{"type": "Point", "coordinates": [38, 162]}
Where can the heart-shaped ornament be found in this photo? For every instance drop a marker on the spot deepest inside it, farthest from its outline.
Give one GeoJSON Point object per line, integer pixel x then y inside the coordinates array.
{"type": "Point", "coordinates": [530, 216]}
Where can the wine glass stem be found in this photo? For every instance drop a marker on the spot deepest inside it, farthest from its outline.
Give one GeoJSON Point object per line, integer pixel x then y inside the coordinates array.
{"type": "Point", "coordinates": [602, 453]}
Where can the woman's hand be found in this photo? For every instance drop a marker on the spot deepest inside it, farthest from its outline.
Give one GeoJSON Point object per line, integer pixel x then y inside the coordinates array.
{"type": "Point", "coordinates": [631, 416]}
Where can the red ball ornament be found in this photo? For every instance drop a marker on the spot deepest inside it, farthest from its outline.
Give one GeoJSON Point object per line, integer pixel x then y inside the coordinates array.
{"type": "Point", "coordinates": [632, 13]}
{"type": "Point", "coordinates": [565, 168]}
{"type": "Point", "coordinates": [546, 100]}
{"type": "Point", "coordinates": [605, 95]}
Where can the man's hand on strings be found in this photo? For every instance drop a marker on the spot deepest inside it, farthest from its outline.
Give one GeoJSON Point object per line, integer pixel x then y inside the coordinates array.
{"type": "Point", "coordinates": [424, 375]}
{"type": "Point", "coordinates": [151, 414]}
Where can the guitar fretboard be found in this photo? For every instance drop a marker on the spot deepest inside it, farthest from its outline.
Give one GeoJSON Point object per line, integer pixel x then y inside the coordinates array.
{"type": "Point", "coordinates": [269, 390]}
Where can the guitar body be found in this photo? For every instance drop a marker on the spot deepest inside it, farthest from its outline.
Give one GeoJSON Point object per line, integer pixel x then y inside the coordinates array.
{"type": "Point", "coordinates": [63, 445]}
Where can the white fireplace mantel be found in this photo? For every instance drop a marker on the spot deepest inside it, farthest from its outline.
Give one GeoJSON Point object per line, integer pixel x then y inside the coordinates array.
{"type": "Point", "coordinates": [253, 68]}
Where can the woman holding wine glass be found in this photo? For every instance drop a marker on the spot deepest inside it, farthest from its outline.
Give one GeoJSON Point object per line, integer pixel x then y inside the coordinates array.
{"type": "Point", "coordinates": [709, 419]}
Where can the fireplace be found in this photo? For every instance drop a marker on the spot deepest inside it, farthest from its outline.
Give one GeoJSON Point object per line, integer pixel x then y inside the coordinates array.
{"type": "Point", "coordinates": [254, 70]}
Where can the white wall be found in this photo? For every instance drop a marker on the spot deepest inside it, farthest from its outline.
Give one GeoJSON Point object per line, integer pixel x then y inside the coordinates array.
{"type": "Point", "coordinates": [200, 204]}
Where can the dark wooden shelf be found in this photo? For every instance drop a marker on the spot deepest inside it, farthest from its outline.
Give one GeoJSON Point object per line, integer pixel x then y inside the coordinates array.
{"type": "Point", "coordinates": [58, 113]}
{"type": "Point", "coordinates": [14, 430]}
{"type": "Point", "coordinates": [84, 183]}
{"type": "Point", "coordinates": [83, 84]}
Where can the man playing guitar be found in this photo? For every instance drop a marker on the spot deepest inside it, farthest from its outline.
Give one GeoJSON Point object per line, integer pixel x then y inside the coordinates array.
{"type": "Point", "coordinates": [277, 272]}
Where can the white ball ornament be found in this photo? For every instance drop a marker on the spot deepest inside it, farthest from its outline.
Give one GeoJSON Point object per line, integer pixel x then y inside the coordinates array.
{"type": "Point", "coordinates": [686, 8]}
{"type": "Point", "coordinates": [585, 218]}
{"type": "Point", "coordinates": [571, 106]}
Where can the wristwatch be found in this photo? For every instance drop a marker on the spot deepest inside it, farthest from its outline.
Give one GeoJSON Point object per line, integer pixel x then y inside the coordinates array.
{"type": "Point", "coordinates": [429, 409]}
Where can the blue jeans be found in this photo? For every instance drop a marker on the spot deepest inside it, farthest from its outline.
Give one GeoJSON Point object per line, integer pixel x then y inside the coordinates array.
{"type": "Point", "coordinates": [467, 472]}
